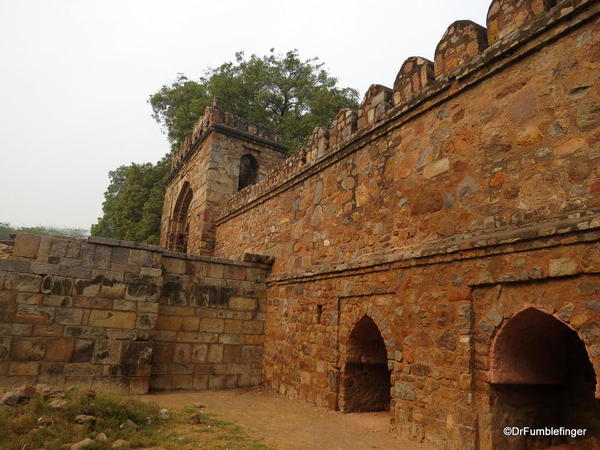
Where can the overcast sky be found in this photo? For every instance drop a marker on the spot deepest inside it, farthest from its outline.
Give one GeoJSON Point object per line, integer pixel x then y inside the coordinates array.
{"type": "Point", "coordinates": [75, 76]}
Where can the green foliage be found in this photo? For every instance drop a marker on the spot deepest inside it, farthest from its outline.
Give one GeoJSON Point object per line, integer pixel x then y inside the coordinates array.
{"type": "Point", "coordinates": [284, 92]}
{"type": "Point", "coordinates": [7, 229]}
{"type": "Point", "coordinates": [20, 427]}
{"type": "Point", "coordinates": [133, 202]}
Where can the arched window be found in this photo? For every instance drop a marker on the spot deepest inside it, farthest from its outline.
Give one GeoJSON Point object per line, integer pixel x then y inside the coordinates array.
{"type": "Point", "coordinates": [179, 226]}
{"type": "Point", "coordinates": [248, 171]}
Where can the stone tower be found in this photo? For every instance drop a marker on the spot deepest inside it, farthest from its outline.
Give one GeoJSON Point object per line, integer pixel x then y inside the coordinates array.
{"type": "Point", "coordinates": [223, 155]}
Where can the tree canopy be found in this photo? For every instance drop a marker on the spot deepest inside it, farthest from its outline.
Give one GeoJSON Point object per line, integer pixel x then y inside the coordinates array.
{"type": "Point", "coordinates": [284, 92]}
{"type": "Point", "coordinates": [6, 229]}
{"type": "Point", "coordinates": [133, 202]}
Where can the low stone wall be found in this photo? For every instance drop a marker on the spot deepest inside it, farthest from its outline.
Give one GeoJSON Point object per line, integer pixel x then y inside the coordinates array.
{"type": "Point", "coordinates": [93, 311]}
{"type": "Point", "coordinates": [210, 329]}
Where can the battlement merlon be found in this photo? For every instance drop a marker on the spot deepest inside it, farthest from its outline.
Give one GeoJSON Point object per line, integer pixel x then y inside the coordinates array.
{"type": "Point", "coordinates": [466, 52]}
{"type": "Point", "coordinates": [215, 119]}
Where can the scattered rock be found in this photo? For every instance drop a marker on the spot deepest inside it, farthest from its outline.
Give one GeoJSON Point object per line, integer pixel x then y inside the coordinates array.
{"type": "Point", "coordinates": [199, 405]}
{"type": "Point", "coordinates": [119, 443]}
{"type": "Point", "coordinates": [164, 414]}
{"type": "Point", "coordinates": [194, 419]}
{"type": "Point", "coordinates": [57, 404]}
{"type": "Point", "coordinates": [128, 424]}
{"type": "Point", "coordinates": [20, 396]}
{"type": "Point", "coordinates": [82, 444]}
{"type": "Point", "coordinates": [9, 399]}
{"type": "Point", "coordinates": [83, 418]}
{"type": "Point", "coordinates": [101, 437]}
{"type": "Point", "coordinates": [44, 421]}
{"type": "Point", "coordinates": [89, 392]}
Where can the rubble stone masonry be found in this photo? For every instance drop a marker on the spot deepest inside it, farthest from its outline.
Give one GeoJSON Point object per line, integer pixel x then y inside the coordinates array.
{"type": "Point", "coordinates": [457, 217]}
{"type": "Point", "coordinates": [434, 254]}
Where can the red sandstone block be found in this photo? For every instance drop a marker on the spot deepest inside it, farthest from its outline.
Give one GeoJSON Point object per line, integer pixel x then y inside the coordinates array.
{"type": "Point", "coordinates": [26, 246]}
{"type": "Point", "coordinates": [23, 368]}
{"type": "Point", "coordinates": [59, 349]}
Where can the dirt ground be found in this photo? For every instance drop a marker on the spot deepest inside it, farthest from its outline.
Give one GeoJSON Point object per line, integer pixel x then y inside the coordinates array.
{"type": "Point", "coordinates": [291, 424]}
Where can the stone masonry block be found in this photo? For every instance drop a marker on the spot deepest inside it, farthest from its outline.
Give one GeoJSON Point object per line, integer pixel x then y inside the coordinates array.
{"type": "Point", "coordinates": [28, 349]}
{"type": "Point", "coordinates": [146, 321]}
{"type": "Point", "coordinates": [253, 327]}
{"type": "Point", "coordinates": [233, 326]}
{"type": "Point", "coordinates": [102, 256]}
{"type": "Point", "coordinates": [199, 353]}
{"type": "Point", "coordinates": [216, 271]}
{"type": "Point", "coordinates": [23, 282]}
{"type": "Point", "coordinates": [26, 246]}
{"type": "Point", "coordinates": [231, 272]}
{"type": "Point", "coordinates": [35, 313]}
{"type": "Point", "coordinates": [213, 325]}
{"type": "Point", "coordinates": [215, 353]}
{"type": "Point", "coordinates": [59, 349]}
{"type": "Point", "coordinates": [59, 248]}
{"type": "Point", "coordinates": [243, 303]}
{"type": "Point", "coordinates": [112, 319]}
{"type": "Point", "coordinates": [169, 322]}
{"type": "Point", "coordinates": [191, 324]}
{"type": "Point", "coordinates": [24, 369]}
{"type": "Point", "coordinates": [174, 265]}
{"type": "Point", "coordinates": [56, 285]}
{"type": "Point", "coordinates": [68, 316]}
{"type": "Point", "coordinates": [141, 258]}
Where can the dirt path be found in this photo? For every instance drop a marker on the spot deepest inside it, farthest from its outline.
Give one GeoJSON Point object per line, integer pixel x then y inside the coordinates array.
{"type": "Point", "coordinates": [291, 424]}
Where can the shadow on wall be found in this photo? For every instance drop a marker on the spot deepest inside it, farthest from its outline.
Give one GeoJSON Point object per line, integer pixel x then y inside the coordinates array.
{"type": "Point", "coordinates": [542, 377]}
{"type": "Point", "coordinates": [366, 377]}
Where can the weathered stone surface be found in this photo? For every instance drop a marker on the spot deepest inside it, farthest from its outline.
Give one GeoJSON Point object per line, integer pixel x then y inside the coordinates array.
{"type": "Point", "coordinates": [26, 246]}
{"type": "Point", "coordinates": [112, 319]}
{"type": "Point", "coordinates": [23, 282]}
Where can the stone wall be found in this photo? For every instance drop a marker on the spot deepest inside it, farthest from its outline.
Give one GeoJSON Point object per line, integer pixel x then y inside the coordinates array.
{"type": "Point", "coordinates": [445, 210]}
{"type": "Point", "coordinates": [102, 312]}
{"type": "Point", "coordinates": [207, 169]}
{"type": "Point", "coordinates": [510, 144]}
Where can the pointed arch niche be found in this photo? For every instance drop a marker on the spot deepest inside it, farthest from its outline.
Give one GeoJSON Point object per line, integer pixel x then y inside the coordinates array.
{"type": "Point", "coordinates": [365, 381]}
{"type": "Point", "coordinates": [179, 225]}
{"type": "Point", "coordinates": [541, 377]}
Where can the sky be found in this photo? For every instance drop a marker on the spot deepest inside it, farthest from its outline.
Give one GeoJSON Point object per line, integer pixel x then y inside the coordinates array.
{"type": "Point", "coordinates": [75, 77]}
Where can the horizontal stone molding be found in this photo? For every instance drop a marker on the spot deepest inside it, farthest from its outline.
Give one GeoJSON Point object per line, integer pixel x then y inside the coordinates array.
{"type": "Point", "coordinates": [549, 234]}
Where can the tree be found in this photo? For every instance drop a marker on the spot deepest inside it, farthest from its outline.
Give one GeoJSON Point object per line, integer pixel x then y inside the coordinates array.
{"type": "Point", "coordinates": [284, 92]}
{"type": "Point", "coordinates": [133, 202]}
{"type": "Point", "coordinates": [7, 229]}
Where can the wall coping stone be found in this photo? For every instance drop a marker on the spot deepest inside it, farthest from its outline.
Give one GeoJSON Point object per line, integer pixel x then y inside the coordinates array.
{"type": "Point", "coordinates": [169, 254]}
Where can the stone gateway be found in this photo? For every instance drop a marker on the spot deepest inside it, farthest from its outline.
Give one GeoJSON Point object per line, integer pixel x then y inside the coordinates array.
{"type": "Point", "coordinates": [434, 254]}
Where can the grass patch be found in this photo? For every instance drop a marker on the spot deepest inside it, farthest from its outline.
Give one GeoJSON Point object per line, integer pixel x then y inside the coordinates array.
{"type": "Point", "coordinates": [36, 425]}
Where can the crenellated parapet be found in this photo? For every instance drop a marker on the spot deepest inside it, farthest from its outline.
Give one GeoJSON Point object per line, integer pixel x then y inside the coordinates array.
{"type": "Point", "coordinates": [506, 16]}
{"type": "Point", "coordinates": [377, 101]}
{"type": "Point", "coordinates": [461, 41]}
{"type": "Point", "coordinates": [415, 74]}
{"type": "Point", "coordinates": [216, 118]}
{"type": "Point", "coordinates": [466, 50]}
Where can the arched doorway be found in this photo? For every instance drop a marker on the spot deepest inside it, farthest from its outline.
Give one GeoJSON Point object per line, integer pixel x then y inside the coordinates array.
{"type": "Point", "coordinates": [365, 381]}
{"type": "Point", "coordinates": [542, 377]}
{"type": "Point", "coordinates": [248, 171]}
{"type": "Point", "coordinates": [179, 226]}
